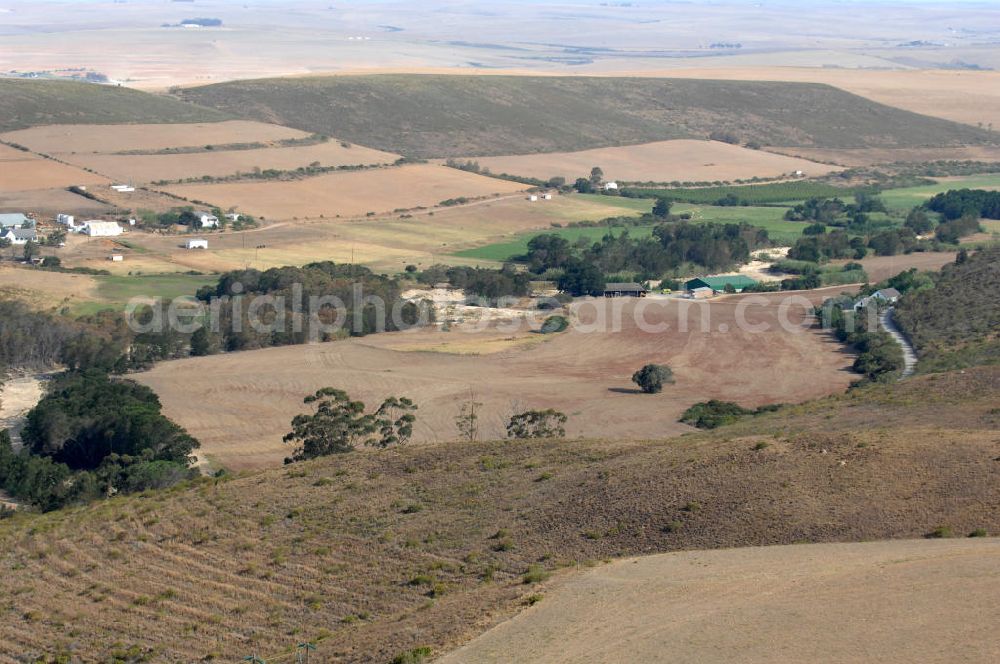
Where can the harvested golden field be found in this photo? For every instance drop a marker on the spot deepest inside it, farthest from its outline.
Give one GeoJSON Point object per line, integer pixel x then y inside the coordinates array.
{"type": "Point", "coordinates": [65, 139]}
{"type": "Point", "coordinates": [221, 163]}
{"type": "Point", "coordinates": [663, 161]}
{"type": "Point", "coordinates": [883, 267]}
{"type": "Point", "coordinates": [373, 554]}
{"type": "Point", "coordinates": [239, 405]}
{"type": "Point", "coordinates": [49, 202]}
{"type": "Point", "coordinates": [46, 290]}
{"type": "Point", "coordinates": [23, 171]}
{"type": "Point", "coordinates": [384, 243]}
{"type": "Point", "coordinates": [774, 604]}
{"type": "Point", "coordinates": [348, 194]}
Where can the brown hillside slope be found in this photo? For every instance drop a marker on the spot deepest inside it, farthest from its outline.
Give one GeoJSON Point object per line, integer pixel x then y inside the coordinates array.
{"type": "Point", "coordinates": [388, 551]}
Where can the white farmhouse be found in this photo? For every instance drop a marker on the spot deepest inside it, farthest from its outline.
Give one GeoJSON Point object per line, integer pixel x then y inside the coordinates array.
{"type": "Point", "coordinates": [197, 243]}
{"type": "Point", "coordinates": [67, 220]}
{"type": "Point", "coordinates": [207, 219]}
{"type": "Point", "coordinates": [20, 236]}
{"type": "Point", "coordinates": [610, 186]}
{"type": "Point", "coordinates": [97, 228]}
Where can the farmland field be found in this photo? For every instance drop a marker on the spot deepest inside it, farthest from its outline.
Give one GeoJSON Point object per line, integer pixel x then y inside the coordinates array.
{"type": "Point", "coordinates": [110, 138]}
{"type": "Point", "coordinates": [674, 602]}
{"type": "Point", "coordinates": [220, 163]}
{"type": "Point", "coordinates": [349, 194]}
{"type": "Point", "coordinates": [49, 202]}
{"type": "Point", "coordinates": [240, 404]}
{"type": "Point", "coordinates": [909, 197]}
{"type": "Point", "coordinates": [663, 161]}
{"type": "Point", "coordinates": [23, 171]}
{"type": "Point", "coordinates": [385, 243]}
{"type": "Point", "coordinates": [769, 218]}
{"type": "Point", "coordinates": [754, 194]}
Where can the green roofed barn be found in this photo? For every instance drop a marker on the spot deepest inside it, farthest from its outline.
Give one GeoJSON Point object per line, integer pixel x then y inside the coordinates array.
{"type": "Point", "coordinates": [734, 283]}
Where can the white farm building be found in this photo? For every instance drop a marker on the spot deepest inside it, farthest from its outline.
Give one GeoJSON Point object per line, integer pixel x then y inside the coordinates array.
{"type": "Point", "coordinates": [19, 236]}
{"type": "Point", "coordinates": [67, 220]}
{"type": "Point", "coordinates": [207, 219]}
{"type": "Point", "coordinates": [96, 228]}
{"type": "Point", "coordinates": [610, 186]}
{"type": "Point", "coordinates": [197, 243]}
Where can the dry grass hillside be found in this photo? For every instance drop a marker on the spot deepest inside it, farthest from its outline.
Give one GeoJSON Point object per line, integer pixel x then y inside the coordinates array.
{"type": "Point", "coordinates": [379, 553]}
{"type": "Point", "coordinates": [27, 103]}
{"type": "Point", "coordinates": [454, 116]}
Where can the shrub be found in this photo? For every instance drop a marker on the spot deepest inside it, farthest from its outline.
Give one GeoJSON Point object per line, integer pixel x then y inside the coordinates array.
{"type": "Point", "coordinates": [554, 324]}
{"type": "Point", "coordinates": [714, 413]}
{"type": "Point", "coordinates": [535, 574]}
{"type": "Point", "coordinates": [652, 377]}
{"type": "Point", "coordinates": [415, 656]}
{"type": "Point", "coordinates": [537, 424]}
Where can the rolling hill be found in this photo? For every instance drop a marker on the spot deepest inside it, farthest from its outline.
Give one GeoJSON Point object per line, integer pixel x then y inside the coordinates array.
{"type": "Point", "coordinates": [377, 554]}
{"type": "Point", "coordinates": [443, 116]}
{"type": "Point", "coordinates": [29, 103]}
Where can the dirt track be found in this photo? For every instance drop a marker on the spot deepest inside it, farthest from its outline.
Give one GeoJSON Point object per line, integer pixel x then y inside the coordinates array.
{"type": "Point", "coordinates": [239, 405]}
{"type": "Point", "coordinates": [891, 602]}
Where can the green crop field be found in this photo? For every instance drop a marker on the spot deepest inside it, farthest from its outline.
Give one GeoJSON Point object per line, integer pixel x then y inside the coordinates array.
{"type": "Point", "coordinates": [459, 116]}
{"type": "Point", "coordinates": [754, 194]}
{"type": "Point", "coordinates": [29, 103]}
{"type": "Point", "coordinates": [120, 289]}
{"type": "Point", "coordinates": [505, 251]}
{"type": "Point", "coordinates": [769, 218]}
{"type": "Point", "coordinates": [909, 197]}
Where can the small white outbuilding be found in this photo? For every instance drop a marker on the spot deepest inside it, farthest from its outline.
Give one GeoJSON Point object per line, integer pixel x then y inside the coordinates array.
{"type": "Point", "coordinates": [610, 186]}
{"type": "Point", "coordinates": [196, 243]}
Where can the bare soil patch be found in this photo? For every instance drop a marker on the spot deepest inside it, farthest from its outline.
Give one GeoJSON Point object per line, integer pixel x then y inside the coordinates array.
{"type": "Point", "coordinates": [221, 163]}
{"type": "Point", "coordinates": [65, 139]}
{"type": "Point", "coordinates": [663, 161]}
{"type": "Point", "coordinates": [349, 194]}
{"type": "Point", "coordinates": [240, 404]}
{"type": "Point", "coordinates": [23, 171]}
{"type": "Point", "coordinates": [763, 604]}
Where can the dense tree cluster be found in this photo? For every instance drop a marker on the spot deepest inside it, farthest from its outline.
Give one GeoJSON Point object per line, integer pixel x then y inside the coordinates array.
{"type": "Point", "coordinates": [283, 296]}
{"type": "Point", "coordinates": [955, 322]}
{"type": "Point", "coordinates": [508, 281]}
{"type": "Point", "coordinates": [672, 245]}
{"type": "Point", "coordinates": [959, 203]}
{"type": "Point", "coordinates": [92, 436]}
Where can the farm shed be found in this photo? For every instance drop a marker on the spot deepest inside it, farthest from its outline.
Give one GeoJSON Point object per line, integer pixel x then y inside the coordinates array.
{"type": "Point", "coordinates": [13, 220]}
{"type": "Point", "coordinates": [610, 186]}
{"type": "Point", "coordinates": [116, 258]}
{"type": "Point", "coordinates": [624, 290]}
{"type": "Point", "coordinates": [197, 243]}
{"type": "Point", "coordinates": [96, 228]}
{"type": "Point", "coordinates": [738, 282]}
{"type": "Point", "coordinates": [702, 293]}
{"type": "Point", "coordinates": [66, 220]}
